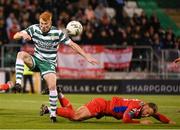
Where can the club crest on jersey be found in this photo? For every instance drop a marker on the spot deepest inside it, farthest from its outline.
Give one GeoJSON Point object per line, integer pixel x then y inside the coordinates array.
{"type": "Point", "coordinates": [53, 38]}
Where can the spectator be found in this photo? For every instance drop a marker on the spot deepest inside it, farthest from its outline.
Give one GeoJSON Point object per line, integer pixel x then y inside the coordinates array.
{"type": "Point", "coordinates": [154, 22]}
{"type": "Point", "coordinates": [168, 41]}
{"type": "Point", "coordinates": [9, 20]}
{"type": "Point", "coordinates": [146, 40]}
{"type": "Point", "coordinates": [177, 43]}
{"type": "Point", "coordinates": [99, 11]}
{"type": "Point", "coordinates": [89, 13]}
{"type": "Point", "coordinates": [88, 35]}
{"type": "Point", "coordinates": [15, 27]}
{"type": "Point", "coordinates": [157, 44]}
{"type": "Point", "coordinates": [101, 19]}
{"type": "Point", "coordinates": [3, 34]}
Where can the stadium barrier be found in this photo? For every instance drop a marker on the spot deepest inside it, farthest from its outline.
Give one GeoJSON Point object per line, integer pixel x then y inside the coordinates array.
{"type": "Point", "coordinates": [156, 67]}
{"type": "Point", "coordinates": [171, 87]}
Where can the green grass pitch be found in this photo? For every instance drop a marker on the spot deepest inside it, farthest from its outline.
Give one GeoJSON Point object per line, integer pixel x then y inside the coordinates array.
{"type": "Point", "coordinates": [21, 111]}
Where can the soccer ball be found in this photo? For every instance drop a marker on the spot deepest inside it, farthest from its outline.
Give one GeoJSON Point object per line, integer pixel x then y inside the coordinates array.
{"type": "Point", "coordinates": [74, 28]}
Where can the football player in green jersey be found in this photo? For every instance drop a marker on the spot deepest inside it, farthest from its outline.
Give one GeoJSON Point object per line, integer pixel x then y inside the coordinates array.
{"type": "Point", "coordinates": [46, 39]}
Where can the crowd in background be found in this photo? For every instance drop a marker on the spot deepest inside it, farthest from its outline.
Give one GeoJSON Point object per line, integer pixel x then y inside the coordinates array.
{"type": "Point", "coordinates": [104, 22]}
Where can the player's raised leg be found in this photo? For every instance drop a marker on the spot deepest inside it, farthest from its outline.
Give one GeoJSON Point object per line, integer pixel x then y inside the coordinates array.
{"type": "Point", "coordinates": [22, 58]}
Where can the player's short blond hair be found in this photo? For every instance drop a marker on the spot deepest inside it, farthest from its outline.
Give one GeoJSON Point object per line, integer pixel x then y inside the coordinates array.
{"type": "Point", "coordinates": [46, 16]}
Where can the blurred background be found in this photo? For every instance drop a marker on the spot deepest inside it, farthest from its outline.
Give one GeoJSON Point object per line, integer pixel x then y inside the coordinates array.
{"type": "Point", "coordinates": [136, 42]}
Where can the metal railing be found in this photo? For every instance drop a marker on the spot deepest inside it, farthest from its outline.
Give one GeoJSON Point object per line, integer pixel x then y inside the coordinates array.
{"type": "Point", "coordinates": [8, 55]}
{"type": "Point", "coordinates": [168, 56]}
{"type": "Point", "coordinates": [144, 59]}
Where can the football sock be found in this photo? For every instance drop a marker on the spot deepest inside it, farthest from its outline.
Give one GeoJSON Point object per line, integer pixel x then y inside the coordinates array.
{"type": "Point", "coordinates": [65, 102]}
{"type": "Point", "coordinates": [19, 70]}
{"type": "Point", "coordinates": [53, 102]}
{"type": "Point", "coordinates": [4, 87]}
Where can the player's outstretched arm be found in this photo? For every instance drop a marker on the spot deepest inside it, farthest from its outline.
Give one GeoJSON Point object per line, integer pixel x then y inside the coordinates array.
{"type": "Point", "coordinates": [22, 34]}
{"type": "Point", "coordinates": [144, 122]}
{"type": "Point", "coordinates": [163, 118]}
{"type": "Point", "coordinates": [78, 49]}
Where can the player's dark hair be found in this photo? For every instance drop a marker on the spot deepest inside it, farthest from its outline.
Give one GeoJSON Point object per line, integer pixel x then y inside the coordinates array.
{"type": "Point", "coordinates": [153, 106]}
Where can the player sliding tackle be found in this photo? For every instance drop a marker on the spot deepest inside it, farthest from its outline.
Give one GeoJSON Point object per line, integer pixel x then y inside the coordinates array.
{"type": "Point", "coordinates": [120, 108]}
{"type": "Point", "coordinates": [46, 39]}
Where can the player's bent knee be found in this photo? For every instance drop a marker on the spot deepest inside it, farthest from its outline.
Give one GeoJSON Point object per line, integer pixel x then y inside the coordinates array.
{"type": "Point", "coordinates": [22, 54]}
{"type": "Point", "coordinates": [52, 88]}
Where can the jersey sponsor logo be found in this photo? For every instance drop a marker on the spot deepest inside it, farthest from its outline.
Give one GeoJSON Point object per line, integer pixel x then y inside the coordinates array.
{"type": "Point", "coordinates": [45, 45]}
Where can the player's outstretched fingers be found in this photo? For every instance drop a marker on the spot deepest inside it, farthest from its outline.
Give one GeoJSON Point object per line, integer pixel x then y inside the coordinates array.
{"type": "Point", "coordinates": [172, 122]}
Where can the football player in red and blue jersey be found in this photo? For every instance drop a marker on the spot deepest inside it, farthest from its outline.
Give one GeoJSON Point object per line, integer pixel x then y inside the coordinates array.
{"type": "Point", "coordinates": [128, 110]}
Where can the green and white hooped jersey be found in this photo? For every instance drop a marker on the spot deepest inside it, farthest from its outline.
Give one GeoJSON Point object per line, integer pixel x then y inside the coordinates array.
{"type": "Point", "coordinates": [46, 44]}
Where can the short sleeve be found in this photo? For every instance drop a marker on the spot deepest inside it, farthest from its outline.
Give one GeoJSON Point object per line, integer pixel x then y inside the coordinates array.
{"type": "Point", "coordinates": [64, 38]}
{"type": "Point", "coordinates": [30, 30]}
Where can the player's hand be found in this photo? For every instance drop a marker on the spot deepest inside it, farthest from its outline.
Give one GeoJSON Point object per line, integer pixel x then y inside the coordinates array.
{"type": "Point", "coordinates": [25, 36]}
{"type": "Point", "coordinates": [146, 122]}
{"type": "Point", "coordinates": [172, 122]}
